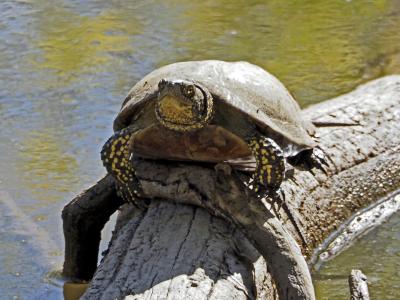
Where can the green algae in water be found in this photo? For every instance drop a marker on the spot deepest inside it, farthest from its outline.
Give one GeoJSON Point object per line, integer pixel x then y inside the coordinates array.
{"type": "Point", "coordinates": [377, 255]}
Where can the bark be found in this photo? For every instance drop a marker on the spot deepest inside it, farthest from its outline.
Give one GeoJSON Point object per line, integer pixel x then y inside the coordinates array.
{"type": "Point", "coordinates": [83, 219]}
{"type": "Point", "coordinates": [178, 251]}
{"type": "Point", "coordinates": [358, 286]}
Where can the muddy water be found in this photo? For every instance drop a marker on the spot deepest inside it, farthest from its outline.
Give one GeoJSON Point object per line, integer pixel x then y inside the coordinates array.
{"type": "Point", "coordinates": [65, 67]}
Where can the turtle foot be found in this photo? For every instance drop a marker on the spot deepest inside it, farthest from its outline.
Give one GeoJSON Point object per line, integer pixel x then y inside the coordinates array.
{"type": "Point", "coordinates": [270, 169]}
{"type": "Point", "coordinates": [116, 155]}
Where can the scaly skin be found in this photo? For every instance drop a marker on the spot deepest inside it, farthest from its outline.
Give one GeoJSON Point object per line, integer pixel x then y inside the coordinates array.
{"type": "Point", "coordinates": [270, 169]}
{"type": "Point", "coordinates": [116, 159]}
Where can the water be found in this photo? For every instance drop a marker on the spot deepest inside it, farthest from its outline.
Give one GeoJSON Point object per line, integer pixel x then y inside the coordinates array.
{"type": "Point", "coordinates": [65, 67]}
{"type": "Point", "coordinates": [377, 254]}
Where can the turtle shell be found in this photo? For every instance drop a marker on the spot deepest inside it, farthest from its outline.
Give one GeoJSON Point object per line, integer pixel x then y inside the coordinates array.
{"type": "Point", "coordinates": [243, 86]}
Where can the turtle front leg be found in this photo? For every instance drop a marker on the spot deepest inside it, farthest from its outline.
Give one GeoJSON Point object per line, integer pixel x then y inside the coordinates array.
{"type": "Point", "coordinates": [116, 157]}
{"type": "Point", "coordinates": [270, 163]}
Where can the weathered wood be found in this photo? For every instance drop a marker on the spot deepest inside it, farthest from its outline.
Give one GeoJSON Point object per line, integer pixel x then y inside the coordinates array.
{"type": "Point", "coordinates": [83, 219]}
{"type": "Point", "coordinates": [358, 286]}
{"type": "Point", "coordinates": [359, 224]}
{"type": "Point", "coordinates": [173, 251]}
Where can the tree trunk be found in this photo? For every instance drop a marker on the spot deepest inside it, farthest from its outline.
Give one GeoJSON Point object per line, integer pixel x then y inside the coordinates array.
{"type": "Point", "coordinates": [241, 246]}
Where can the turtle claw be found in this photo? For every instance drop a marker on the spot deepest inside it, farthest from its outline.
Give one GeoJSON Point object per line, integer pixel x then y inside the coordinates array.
{"type": "Point", "coordinates": [309, 159]}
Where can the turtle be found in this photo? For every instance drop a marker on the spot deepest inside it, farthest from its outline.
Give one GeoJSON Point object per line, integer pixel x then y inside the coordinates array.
{"type": "Point", "coordinates": [208, 111]}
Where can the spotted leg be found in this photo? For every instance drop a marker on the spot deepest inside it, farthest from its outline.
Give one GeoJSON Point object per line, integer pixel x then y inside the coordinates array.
{"type": "Point", "coordinates": [270, 163]}
{"type": "Point", "coordinates": [116, 155]}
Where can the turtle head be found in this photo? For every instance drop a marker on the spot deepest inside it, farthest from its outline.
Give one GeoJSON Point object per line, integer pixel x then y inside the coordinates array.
{"type": "Point", "coordinates": [183, 105]}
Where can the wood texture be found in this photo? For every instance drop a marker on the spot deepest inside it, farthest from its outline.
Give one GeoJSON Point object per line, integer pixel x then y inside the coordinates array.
{"type": "Point", "coordinates": [358, 286]}
{"type": "Point", "coordinates": [83, 219]}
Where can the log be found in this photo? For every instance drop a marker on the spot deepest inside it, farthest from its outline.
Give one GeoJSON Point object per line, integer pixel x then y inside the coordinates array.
{"type": "Point", "coordinates": [212, 240]}
{"type": "Point", "coordinates": [358, 286]}
{"type": "Point", "coordinates": [83, 219]}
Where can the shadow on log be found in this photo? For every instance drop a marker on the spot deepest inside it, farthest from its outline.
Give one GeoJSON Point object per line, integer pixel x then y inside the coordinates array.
{"type": "Point", "coordinates": [177, 251]}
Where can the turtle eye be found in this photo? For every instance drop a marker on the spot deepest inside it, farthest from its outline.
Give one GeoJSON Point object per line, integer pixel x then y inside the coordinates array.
{"type": "Point", "coordinates": [188, 90]}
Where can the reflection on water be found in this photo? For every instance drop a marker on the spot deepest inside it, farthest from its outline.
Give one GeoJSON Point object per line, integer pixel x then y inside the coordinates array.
{"type": "Point", "coordinates": [376, 254]}
{"type": "Point", "coordinates": [71, 43]}
{"type": "Point", "coordinates": [42, 164]}
{"type": "Point", "coordinates": [65, 67]}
